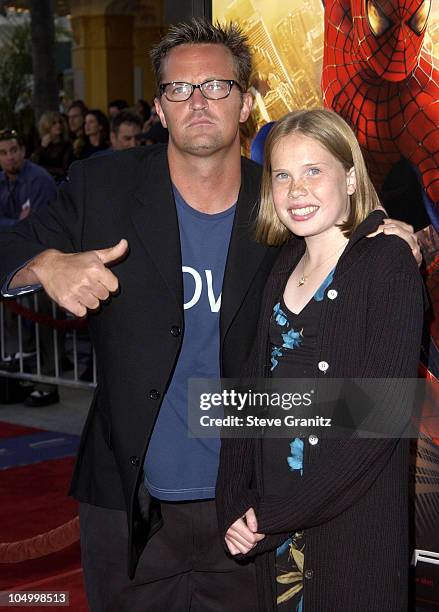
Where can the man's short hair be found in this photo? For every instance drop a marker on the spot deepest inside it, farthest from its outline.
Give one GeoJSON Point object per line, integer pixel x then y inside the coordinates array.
{"type": "Point", "coordinates": [125, 117]}
{"type": "Point", "coordinates": [202, 31]}
{"type": "Point", "coordinates": [79, 104]}
{"type": "Point", "coordinates": [10, 134]}
{"type": "Point", "coordinates": [119, 104]}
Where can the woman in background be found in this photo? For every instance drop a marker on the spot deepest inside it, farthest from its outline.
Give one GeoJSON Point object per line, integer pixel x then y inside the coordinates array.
{"type": "Point", "coordinates": [97, 133]}
{"type": "Point", "coordinates": [326, 519]}
{"type": "Point", "coordinates": [55, 152]}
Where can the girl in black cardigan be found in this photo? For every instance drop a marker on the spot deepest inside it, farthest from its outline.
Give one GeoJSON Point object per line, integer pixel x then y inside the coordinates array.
{"type": "Point", "coordinates": [326, 520]}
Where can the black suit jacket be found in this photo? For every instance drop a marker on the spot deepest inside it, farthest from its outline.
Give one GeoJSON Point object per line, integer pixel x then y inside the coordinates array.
{"type": "Point", "coordinates": [135, 335]}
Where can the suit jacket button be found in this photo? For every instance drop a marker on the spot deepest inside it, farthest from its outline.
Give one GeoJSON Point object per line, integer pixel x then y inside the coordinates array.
{"type": "Point", "coordinates": [154, 394]}
{"type": "Point", "coordinates": [309, 573]}
{"type": "Point", "coordinates": [135, 461]}
{"type": "Point", "coordinates": [175, 331]}
{"type": "Point", "coordinates": [323, 366]}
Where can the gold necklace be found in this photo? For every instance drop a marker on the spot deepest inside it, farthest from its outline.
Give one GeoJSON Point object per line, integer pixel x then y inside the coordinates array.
{"type": "Point", "coordinates": [304, 277]}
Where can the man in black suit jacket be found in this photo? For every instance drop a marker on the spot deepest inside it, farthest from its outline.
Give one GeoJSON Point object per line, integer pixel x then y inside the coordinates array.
{"type": "Point", "coordinates": [138, 331]}
{"type": "Point", "coordinates": [124, 211]}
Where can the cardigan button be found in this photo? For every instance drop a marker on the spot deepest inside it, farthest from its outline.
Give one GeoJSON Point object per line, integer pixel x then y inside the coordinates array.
{"type": "Point", "coordinates": [323, 366]}
{"type": "Point", "coordinates": [332, 294]}
{"type": "Point", "coordinates": [175, 331]}
{"type": "Point", "coordinates": [154, 394]}
{"type": "Point", "coordinates": [135, 461]}
{"type": "Point", "coordinates": [313, 439]}
{"type": "Point", "coordinates": [309, 573]}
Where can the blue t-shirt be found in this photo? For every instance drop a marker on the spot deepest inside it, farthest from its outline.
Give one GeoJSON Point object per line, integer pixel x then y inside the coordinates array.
{"type": "Point", "coordinates": [176, 466]}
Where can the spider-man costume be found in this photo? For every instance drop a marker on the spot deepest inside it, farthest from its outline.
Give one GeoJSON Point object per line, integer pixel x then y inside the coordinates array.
{"type": "Point", "coordinates": [378, 77]}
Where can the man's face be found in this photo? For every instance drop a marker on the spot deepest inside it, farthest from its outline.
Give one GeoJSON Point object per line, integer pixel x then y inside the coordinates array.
{"type": "Point", "coordinates": [75, 118]}
{"type": "Point", "coordinates": [125, 137]}
{"type": "Point", "coordinates": [199, 126]}
{"type": "Point", "coordinates": [11, 156]}
{"type": "Point", "coordinates": [113, 111]}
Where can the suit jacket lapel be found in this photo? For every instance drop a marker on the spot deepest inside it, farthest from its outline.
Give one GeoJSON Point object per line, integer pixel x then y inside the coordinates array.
{"type": "Point", "coordinates": [245, 255]}
{"type": "Point", "coordinates": [156, 223]}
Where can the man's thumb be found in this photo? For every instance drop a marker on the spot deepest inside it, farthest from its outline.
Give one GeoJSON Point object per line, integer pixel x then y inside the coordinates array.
{"type": "Point", "coordinates": [112, 253]}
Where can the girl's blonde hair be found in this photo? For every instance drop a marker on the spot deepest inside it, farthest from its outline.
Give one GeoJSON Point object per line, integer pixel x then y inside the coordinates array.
{"type": "Point", "coordinates": [335, 135]}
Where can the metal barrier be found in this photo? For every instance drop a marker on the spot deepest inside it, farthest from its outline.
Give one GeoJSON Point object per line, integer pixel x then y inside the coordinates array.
{"type": "Point", "coordinates": [41, 343]}
{"type": "Point", "coordinates": [427, 556]}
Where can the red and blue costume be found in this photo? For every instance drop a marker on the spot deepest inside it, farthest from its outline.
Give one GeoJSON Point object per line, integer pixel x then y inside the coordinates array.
{"type": "Point", "coordinates": [377, 75]}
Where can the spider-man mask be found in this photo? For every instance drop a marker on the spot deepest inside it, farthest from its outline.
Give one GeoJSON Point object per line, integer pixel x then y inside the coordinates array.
{"type": "Point", "coordinates": [388, 35]}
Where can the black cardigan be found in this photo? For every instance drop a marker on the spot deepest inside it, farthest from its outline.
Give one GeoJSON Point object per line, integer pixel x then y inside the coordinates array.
{"type": "Point", "coordinates": [352, 499]}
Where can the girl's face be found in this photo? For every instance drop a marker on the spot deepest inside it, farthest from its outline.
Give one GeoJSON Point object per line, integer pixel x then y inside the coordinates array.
{"type": "Point", "coordinates": [310, 186]}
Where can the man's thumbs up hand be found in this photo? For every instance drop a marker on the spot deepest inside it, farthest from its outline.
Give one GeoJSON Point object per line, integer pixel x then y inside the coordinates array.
{"type": "Point", "coordinates": [112, 254]}
{"type": "Point", "coordinates": [76, 281]}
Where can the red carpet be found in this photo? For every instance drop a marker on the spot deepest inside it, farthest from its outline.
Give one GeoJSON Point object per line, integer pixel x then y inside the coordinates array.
{"type": "Point", "coordinates": [9, 430]}
{"type": "Point", "coordinates": [34, 501]}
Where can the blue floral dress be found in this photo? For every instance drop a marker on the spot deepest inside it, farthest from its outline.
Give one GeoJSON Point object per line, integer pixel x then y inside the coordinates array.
{"type": "Point", "coordinates": [293, 340]}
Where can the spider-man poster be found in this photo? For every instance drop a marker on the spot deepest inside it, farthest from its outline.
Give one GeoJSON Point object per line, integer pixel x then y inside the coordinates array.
{"type": "Point", "coordinates": [376, 63]}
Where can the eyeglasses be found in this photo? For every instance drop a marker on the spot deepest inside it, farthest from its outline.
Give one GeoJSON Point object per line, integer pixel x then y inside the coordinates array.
{"type": "Point", "coordinates": [8, 134]}
{"type": "Point", "coordinates": [215, 89]}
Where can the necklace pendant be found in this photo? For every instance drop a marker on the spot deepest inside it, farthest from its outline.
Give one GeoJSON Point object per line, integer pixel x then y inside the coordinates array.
{"type": "Point", "coordinates": [301, 282]}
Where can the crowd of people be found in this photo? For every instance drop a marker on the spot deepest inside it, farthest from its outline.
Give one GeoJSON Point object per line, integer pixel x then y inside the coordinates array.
{"type": "Point", "coordinates": [82, 132]}
{"type": "Point", "coordinates": [63, 138]}
{"type": "Point", "coordinates": [30, 175]}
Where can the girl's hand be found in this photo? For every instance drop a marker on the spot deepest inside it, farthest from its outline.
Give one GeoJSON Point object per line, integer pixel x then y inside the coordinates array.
{"type": "Point", "coordinates": [243, 534]}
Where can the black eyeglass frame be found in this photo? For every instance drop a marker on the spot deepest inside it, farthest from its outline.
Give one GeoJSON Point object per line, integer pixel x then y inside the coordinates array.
{"type": "Point", "coordinates": [230, 82]}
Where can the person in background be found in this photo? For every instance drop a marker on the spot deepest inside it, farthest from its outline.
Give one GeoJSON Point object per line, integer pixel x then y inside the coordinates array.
{"type": "Point", "coordinates": [97, 133]}
{"type": "Point", "coordinates": [125, 129]}
{"type": "Point", "coordinates": [25, 188]}
{"type": "Point", "coordinates": [328, 517]}
{"type": "Point", "coordinates": [76, 117]}
{"type": "Point", "coordinates": [115, 107]}
{"type": "Point", "coordinates": [143, 109]}
{"type": "Point", "coordinates": [124, 134]}
{"type": "Point", "coordinates": [153, 131]}
{"type": "Point", "coordinates": [55, 152]}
